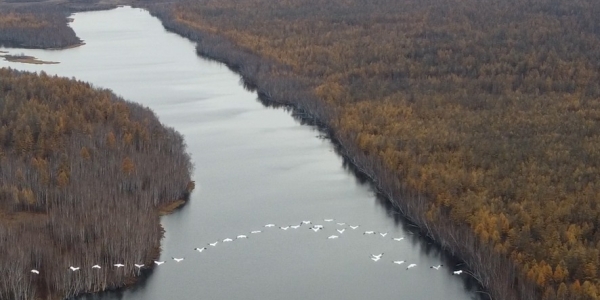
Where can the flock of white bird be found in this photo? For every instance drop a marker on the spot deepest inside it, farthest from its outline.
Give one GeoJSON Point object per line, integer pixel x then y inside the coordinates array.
{"type": "Point", "coordinates": [314, 227]}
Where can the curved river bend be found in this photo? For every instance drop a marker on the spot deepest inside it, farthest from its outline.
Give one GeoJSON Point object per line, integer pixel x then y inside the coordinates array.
{"type": "Point", "coordinates": [254, 165]}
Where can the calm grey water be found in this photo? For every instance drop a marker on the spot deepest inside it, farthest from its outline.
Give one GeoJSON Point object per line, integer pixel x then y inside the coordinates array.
{"type": "Point", "coordinates": [254, 165]}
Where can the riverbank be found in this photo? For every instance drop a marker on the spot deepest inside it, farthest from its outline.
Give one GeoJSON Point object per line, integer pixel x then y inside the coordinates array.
{"type": "Point", "coordinates": [224, 214]}
{"type": "Point", "coordinates": [458, 143]}
{"type": "Point", "coordinates": [501, 278]}
{"type": "Point", "coordinates": [83, 188]}
{"type": "Point", "coordinates": [495, 142]}
{"type": "Point", "coordinates": [66, 47]}
{"type": "Point", "coordinates": [149, 265]}
{"type": "Point", "coordinates": [171, 207]}
{"type": "Point", "coordinates": [44, 24]}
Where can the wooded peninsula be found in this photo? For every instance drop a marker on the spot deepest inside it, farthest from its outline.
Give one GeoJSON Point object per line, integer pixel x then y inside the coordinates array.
{"type": "Point", "coordinates": [479, 119]}
{"type": "Point", "coordinates": [83, 178]}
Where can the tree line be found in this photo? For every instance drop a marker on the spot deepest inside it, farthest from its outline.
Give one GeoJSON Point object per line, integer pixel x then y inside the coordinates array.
{"type": "Point", "coordinates": [481, 115]}
{"type": "Point", "coordinates": [35, 27]}
{"type": "Point", "coordinates": [42, 24]}
{"type": "Point", "coordinates": [83, 175]}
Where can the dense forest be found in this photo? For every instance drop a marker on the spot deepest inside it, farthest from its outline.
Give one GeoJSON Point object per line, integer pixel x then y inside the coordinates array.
{"type": "Point", "coordinates": [36, 27]}
{"type": "Point", "coordinates": [478, 118]}
{"type": "Point", "coordinates": [83, 177]}
{"type": "Point", "coordinates": [482, 115]}
{"type": "Point", "coordinates": [44, 23]}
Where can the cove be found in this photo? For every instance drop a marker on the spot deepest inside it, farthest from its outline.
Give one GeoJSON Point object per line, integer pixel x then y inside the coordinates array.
{"type": "Point", "coordinates": [254, 165]}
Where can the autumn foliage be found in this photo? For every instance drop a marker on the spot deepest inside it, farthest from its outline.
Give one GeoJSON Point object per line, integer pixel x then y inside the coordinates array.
{"type": "Point", "coordinates": [38, 26]}
{"type": "Point", "coordinates": [479, 114]}
{"type": "Point", "coordinates": [83, 175]}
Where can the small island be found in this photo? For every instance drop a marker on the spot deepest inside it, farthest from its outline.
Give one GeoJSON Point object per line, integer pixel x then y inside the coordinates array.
{"type": "Point", "coordinates": [477, 118]}
{"type": "Point", "coordinates": [22, 58]}
{"type": "Point", "coordinates": [84, 176]}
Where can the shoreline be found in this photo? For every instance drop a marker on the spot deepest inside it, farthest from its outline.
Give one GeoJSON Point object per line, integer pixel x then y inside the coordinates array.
{"type": "Point", "coordinates": [37, 225]}
{"type": "Point", "coordinates": [347, 151]}
{"type": "Point", "coordinates": [170, 208]}
{"type": "Point", "coordinates": [503, 281]}
{"type": "Point", "coordinates": [67, 47]}
{"type": "Point", "coordinates": [27, 60]}
{"type": "Point", "coordinates": [153, 250]}
{"type": "Point", "coordinates": [44, 48]}
{"type": "Point", "coordinates": [131, 281]}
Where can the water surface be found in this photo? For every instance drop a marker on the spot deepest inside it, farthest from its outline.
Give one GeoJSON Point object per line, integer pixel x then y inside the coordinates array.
{"type": "Point", "coordinates": [254, 165]}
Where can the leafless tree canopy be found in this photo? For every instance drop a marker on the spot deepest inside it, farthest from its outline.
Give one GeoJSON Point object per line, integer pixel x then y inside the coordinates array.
{"type": "Point", "coordinates": [35, 27]}
{"type": "Point", "coordinates": [478, 118]}
{"type": "Point", "coordinates": [83, 174]}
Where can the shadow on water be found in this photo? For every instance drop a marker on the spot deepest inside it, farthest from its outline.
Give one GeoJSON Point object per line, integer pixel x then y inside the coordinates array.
{"type": "Point", "coordinates": [416, 237]}
{"type": "Point", "coordinates": [119, 293]}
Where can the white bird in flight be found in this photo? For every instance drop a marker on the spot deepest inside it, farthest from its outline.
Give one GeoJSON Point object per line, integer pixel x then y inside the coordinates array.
{"type": "Point", "coordinates": [241, 236]}
{"type": "Point", "coordinates": [314, 228]}
{"type": "Point", "coordinates": [34, 271]}
{"type": "Point", "coordinates": [377, 256]}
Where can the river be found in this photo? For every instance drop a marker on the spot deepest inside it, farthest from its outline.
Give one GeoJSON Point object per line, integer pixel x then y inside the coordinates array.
{"type": "Point", "coordinates": [254, 165]}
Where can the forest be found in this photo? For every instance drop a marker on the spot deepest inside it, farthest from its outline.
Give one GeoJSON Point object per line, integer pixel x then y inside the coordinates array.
{"type": "Point", "coordinates": [83, 177]}
{"type": "Point", "coordinates": [30, 28]}
{"type": "Point", "coordinates": [43, 24]}
{"type": "Point", "coordinates": [479, 119]}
